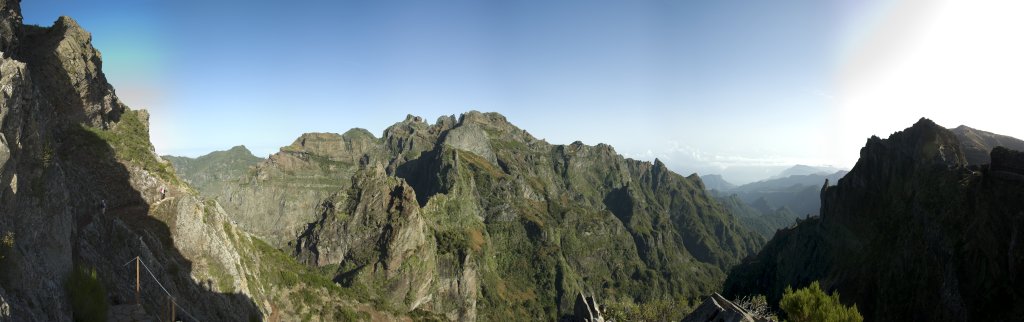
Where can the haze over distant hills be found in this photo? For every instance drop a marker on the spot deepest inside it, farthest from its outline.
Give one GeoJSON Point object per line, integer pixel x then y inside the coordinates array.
{"type": "Point", "coordinates": [774, 203]}
{"type": "Point", "coordinates": [802, 170]}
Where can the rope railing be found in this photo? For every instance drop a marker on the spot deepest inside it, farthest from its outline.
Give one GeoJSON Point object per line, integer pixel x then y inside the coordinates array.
{"type": "Point", "coordinates": [174, 303]}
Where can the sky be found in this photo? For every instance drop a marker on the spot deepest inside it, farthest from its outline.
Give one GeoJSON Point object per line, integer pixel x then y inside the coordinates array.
{"type": "Point", "coordinates": [740, 88]}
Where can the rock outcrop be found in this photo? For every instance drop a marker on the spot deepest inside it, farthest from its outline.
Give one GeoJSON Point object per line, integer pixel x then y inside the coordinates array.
{"type": "Point", "coordinates": [912, 221]}
{"type": "Point", "coordinates": [586, 309]}
{"type": "Point", "coordinates": [717, 309]}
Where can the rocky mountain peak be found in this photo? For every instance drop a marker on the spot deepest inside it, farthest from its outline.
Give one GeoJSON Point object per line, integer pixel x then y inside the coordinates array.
{"type": "Point", "coordinates": [68, 71]}
{"type": "Point", "coordinates": [490, 118]}
{"type": "Point", "coordinates": [924, 144]}
{"type": "Point", "coordinates": [315, 142]}
{"type": "Point", "coordinates": [922, 148]}
{"type": "Point", "coordinates": [240, 149]}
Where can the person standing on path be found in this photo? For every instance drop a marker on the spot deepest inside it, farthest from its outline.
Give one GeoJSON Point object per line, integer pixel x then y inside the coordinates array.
{"type": "Point", "coordinates": [163, 192]}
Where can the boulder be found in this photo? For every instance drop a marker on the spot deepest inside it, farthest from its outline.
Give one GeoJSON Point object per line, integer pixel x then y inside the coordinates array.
{"type": "Point", "coordinates": [586, 309]}
{"type": "Point", "coordinates": [717, 309]}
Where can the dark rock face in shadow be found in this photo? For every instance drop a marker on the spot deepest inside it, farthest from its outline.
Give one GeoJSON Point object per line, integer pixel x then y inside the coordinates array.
{"type": "Point", "coordinates": [912, 221]}
{"type": "Point", "coordinates": [106, 240]}
{"type": "Point", "coordinates": [56, 170]}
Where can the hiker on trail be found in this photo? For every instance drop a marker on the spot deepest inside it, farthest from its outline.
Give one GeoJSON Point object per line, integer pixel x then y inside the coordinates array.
{"type": "Point", "coordinates": [163, 192]}
{"type": "Point", "coordinates": [103, 206]}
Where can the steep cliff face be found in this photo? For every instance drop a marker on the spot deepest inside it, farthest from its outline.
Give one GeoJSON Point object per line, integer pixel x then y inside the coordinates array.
{"type": "Point", "coordinates": [67, 145]}
{"type": "Point", "coordinates": [911, 233]}
{"type": "Point", "coordinates": [474, 218]}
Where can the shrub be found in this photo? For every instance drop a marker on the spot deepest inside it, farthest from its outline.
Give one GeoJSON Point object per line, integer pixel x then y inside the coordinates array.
{"type": "Point", "coordinates": [6, 244]}
{"type": "Point", "coordinates": [88, 295]}
{"type": "Point", "coordinates": [757, 305]}
{"type": "Point", "coordinates": [811, 304]}
{"type": "Point", "coordinates": [656, 310]}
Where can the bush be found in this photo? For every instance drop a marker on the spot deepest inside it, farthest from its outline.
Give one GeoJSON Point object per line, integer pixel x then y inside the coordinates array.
{"type": "Point", "coordinates": [88, 295]}
{"type": "Point", "coordinates": [6, 244]}
{"type": "Point", "coordinates": [811, 304]}
{"type": "Point", "coordinates": [757, 306]}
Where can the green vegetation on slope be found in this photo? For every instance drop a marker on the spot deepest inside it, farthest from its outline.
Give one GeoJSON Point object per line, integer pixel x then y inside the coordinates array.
{"type": "Point", "coordinates": [207, 172]}
{"type": "Point", "coordinates": [763, 221]}
{"type": "Point", "coordinates": [300, 291]}
{"type": "Point", "coordinates": [130, 140]}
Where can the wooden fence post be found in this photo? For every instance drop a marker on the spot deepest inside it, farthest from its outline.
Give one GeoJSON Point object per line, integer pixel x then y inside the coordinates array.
{"type": "Point", "coordinates": [138, 287]}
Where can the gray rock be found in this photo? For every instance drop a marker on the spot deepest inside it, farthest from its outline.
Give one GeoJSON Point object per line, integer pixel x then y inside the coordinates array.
{"type": "Point", "coordinates": [10, 23]}
{"type": "Point", "coordinates": [586, 309]}
{"type": "Point", "coordinates": [717, 309]}
{"type": "Point", "coordinates": [471, 138]}
{"type": "Point", "coordinates": [68, 71]}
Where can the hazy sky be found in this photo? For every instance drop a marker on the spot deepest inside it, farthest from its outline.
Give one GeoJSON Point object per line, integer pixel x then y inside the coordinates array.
{"type": "Point", "coordinates": [742, 88]}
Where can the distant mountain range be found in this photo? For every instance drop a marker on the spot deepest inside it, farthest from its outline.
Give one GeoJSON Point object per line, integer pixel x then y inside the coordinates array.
{"type": "Point", "coordinates": [977, 144]}
{"type": "Point", "coordinates": [804, 170]}
{"type": "Point", "coordinates": [771, 204]}
{"type": "Point", "coordinates": [716, 182]}
{"type": "Point", "coordinates": [207, 173]}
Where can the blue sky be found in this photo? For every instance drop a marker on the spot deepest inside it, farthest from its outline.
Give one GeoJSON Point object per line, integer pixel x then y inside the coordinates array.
{"type": "Point", "coordinates": [742, 88]}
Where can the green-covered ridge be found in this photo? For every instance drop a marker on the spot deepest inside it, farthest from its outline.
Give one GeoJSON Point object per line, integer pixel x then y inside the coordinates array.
{"type": "Point", "coordinates": [474, 218]}
{"type": "Point", "coordinates": [209, 172]}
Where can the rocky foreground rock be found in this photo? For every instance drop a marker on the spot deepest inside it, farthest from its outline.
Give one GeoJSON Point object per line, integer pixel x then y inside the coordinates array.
{"type": "Point", "coordinates": [718, 309]}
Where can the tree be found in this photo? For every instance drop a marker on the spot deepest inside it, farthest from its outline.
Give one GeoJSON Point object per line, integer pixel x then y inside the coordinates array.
{"type": "Point", "coordinates": [811, 304]}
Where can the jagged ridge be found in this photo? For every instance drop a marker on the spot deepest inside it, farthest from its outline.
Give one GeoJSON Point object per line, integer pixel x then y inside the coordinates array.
{"type": "Point", "coordinates": [472, 217]}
